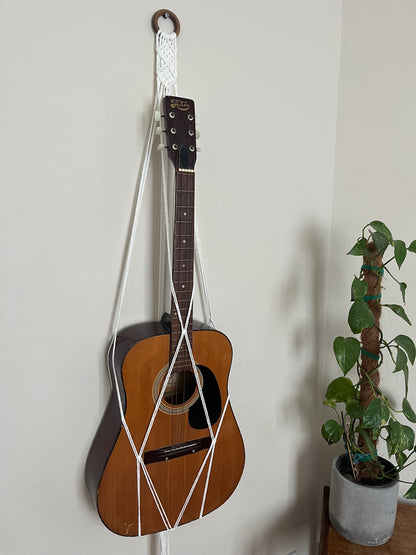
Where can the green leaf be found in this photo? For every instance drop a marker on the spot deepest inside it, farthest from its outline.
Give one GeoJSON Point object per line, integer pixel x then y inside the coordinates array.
{"type": "Point", "coordinates": [409, 436]}
{"type": "Point", "coordinates": [332, 431]}
{"type": "Point", "coordinates": [381, 242]}
{"type": "Point", "coordinates": [406, 380]}
{"type": "Point", "coordinates": [382, 228]}
{"type": "Point", "coordinates": [408, 411]}
{"type": "Point", "coordinates": [360, 248]}
{"type": "Point", "coordinates": [341, 390]}
{"type": "Point", "coordinates": [359, 289]}
{"type": "Point", "coordinates": [354, 408]}
{"type": "Point", "coordinates": [399, 310]}
{"type": "Point", "coordinates": [407, 344]}
{"type": "Point", "coordinates": [411, 492]}
{"type": "Point", "coordinates": [360, 317]}
{"type": "Point", "coordinates": [401, 459]}
{"type": "Point", "coordinates": [331, 404]}
{"type": "Point", "coordinates": [400, 438]}
{"type": "Point", "coordinates": [376, 415]}
{"type": "Point", "coordinates": [400, 251]}
{"type": "Point", "coordinates": [403, 287]}
{"type": "Point", "coordinates": [401, 360]}
{"type": "Point", "coordinates": [347, 351]}
{"type": "Point", "coordinates": [412, 246]}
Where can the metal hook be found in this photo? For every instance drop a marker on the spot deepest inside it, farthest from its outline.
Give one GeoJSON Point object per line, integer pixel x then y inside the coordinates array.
{"type": "Point", "coordinates": [166, 14]}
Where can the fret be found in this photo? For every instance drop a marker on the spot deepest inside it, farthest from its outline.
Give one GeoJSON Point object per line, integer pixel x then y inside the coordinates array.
{"type": "Point", "coordinates": [182, 281]}
{"type": "Point", "coordinates": [183, 298]}
{"type": "Point", "coordinates": [184, 314]}
{"type": "Point", "coordinates": [185, 230]}
{"type": "Point", "coordinates": [182, 267]}
{"type": "Point", "coordinates": [183, 302]}
{"type": "Point", "coordinates": [182, 295]}
{"type": "Point", "coordinates": [184, 227]}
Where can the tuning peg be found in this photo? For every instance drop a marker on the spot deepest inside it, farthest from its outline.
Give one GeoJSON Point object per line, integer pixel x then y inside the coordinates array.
{"type": "Point", "coordinates": [158, 116]}
{"type": "Point", "coordinates": [197, 134]}
{"type": "Point", "coordinates": [161, 147]}
{"type": "Point", "coordinates": [159, 131]}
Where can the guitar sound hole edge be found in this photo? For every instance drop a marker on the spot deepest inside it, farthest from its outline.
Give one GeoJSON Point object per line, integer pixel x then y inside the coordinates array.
{"type": "Point", "coordinates": [181, 391]}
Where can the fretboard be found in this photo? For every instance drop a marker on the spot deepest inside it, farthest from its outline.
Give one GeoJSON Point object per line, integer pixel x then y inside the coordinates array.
{"type": "Point", "coordinates": [182, 266]}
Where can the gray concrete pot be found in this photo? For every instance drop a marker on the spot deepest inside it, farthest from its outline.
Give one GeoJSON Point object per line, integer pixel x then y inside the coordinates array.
{"type": "Point", "coordinates": [362, 514]}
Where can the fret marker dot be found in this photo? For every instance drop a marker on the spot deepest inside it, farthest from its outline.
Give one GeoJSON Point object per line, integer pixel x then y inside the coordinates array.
{"type": "Point", "coordinates": [184, 241]}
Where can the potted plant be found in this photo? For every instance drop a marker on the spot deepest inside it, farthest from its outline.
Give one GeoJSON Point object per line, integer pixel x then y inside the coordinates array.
{"type": "Point", "coordinates": [365, 416]}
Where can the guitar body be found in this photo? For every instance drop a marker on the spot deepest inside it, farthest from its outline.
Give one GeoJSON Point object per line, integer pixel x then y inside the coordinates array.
{"type": "Point", "coordinates": [141, 362]}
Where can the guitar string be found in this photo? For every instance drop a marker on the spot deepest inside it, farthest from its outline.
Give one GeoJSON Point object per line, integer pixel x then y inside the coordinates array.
{"type": "Point", "coordinates": [138, 455]}
{"type": "Point", "coordinates": [184, 197]}
{"type": "Point", "coordinates": [184, 335]}
{"type": "Point", "coordinates": [210, 455]}
{"type": "Point", "coordinates": [184, 328]}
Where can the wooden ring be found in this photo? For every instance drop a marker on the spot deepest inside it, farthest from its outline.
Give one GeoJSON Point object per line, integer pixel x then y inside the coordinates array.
{"type": "Point", "coordinates": [166, 14]}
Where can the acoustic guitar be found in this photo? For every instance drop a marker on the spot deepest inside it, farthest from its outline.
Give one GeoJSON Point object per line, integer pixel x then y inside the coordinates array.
{"type": "Point", "coordinates": [179, 453]}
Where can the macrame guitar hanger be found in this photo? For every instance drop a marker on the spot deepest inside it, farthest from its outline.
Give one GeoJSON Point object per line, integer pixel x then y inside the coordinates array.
{"type": "Point", "coordinates": [166, 84]}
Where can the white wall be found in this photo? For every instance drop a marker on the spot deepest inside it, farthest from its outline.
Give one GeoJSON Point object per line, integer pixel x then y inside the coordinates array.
{"type": "Point", "coordinates": [75, 100]}
{"type": "Point", "coordinates": [375, 162]}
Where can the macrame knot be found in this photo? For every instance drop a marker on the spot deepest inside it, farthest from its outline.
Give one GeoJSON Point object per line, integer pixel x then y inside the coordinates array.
{"type": "Point", "coordinates": [166, 59]}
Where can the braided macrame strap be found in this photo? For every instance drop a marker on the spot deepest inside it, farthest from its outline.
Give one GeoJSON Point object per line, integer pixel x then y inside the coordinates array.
{"type": "Point", "coordinates": [166, 66]}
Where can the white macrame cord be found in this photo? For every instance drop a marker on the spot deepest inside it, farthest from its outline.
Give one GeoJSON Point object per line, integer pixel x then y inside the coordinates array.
{"type": "Point", "coordinates": [166, 73]}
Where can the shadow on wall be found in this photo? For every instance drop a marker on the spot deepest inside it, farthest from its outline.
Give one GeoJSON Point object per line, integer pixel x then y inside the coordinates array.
{"type": "Point", "coordinates": [303, 295]}
{"type": "Point", "coordinates": [154, 547]}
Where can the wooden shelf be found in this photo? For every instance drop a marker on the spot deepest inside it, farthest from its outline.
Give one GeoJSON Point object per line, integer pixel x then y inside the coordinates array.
{"type": "Point", "coordinates": [403, 541]}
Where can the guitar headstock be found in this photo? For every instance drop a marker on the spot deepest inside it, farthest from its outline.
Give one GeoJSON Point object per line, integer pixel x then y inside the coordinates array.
{"type": "Point", "coordinates": [180, 132]}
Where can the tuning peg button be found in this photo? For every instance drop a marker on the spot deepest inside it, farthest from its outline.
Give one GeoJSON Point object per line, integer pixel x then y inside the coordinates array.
{"type": "Point", "coordinates": [197, 134]}
{"type": "Point", "coordinates": [159, 131]}
{"type": "Point", "coordinates": [157, 115]}
{"type": "Point", "coordinates": [161, 147]}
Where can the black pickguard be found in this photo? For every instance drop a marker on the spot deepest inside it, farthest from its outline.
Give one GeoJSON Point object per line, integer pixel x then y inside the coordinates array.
{"type": "Point", "coordinates": [212, 396]}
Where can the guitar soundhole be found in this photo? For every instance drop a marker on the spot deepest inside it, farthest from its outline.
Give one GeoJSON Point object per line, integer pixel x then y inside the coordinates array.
{"type": "Point", "coordinates": [180, 388]}
{"type": "Point", "coordinates": [181, 391]}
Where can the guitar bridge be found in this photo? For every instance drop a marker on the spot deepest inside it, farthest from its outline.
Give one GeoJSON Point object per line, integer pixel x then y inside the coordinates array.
{"type": "Point", "coordinates": [177, 450]}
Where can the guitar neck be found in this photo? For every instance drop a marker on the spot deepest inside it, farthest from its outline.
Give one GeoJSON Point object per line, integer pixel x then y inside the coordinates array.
{"type": "Point", "coordinates": [179, 114]}
{"type": "Point", "coordinates": [182, 265]}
